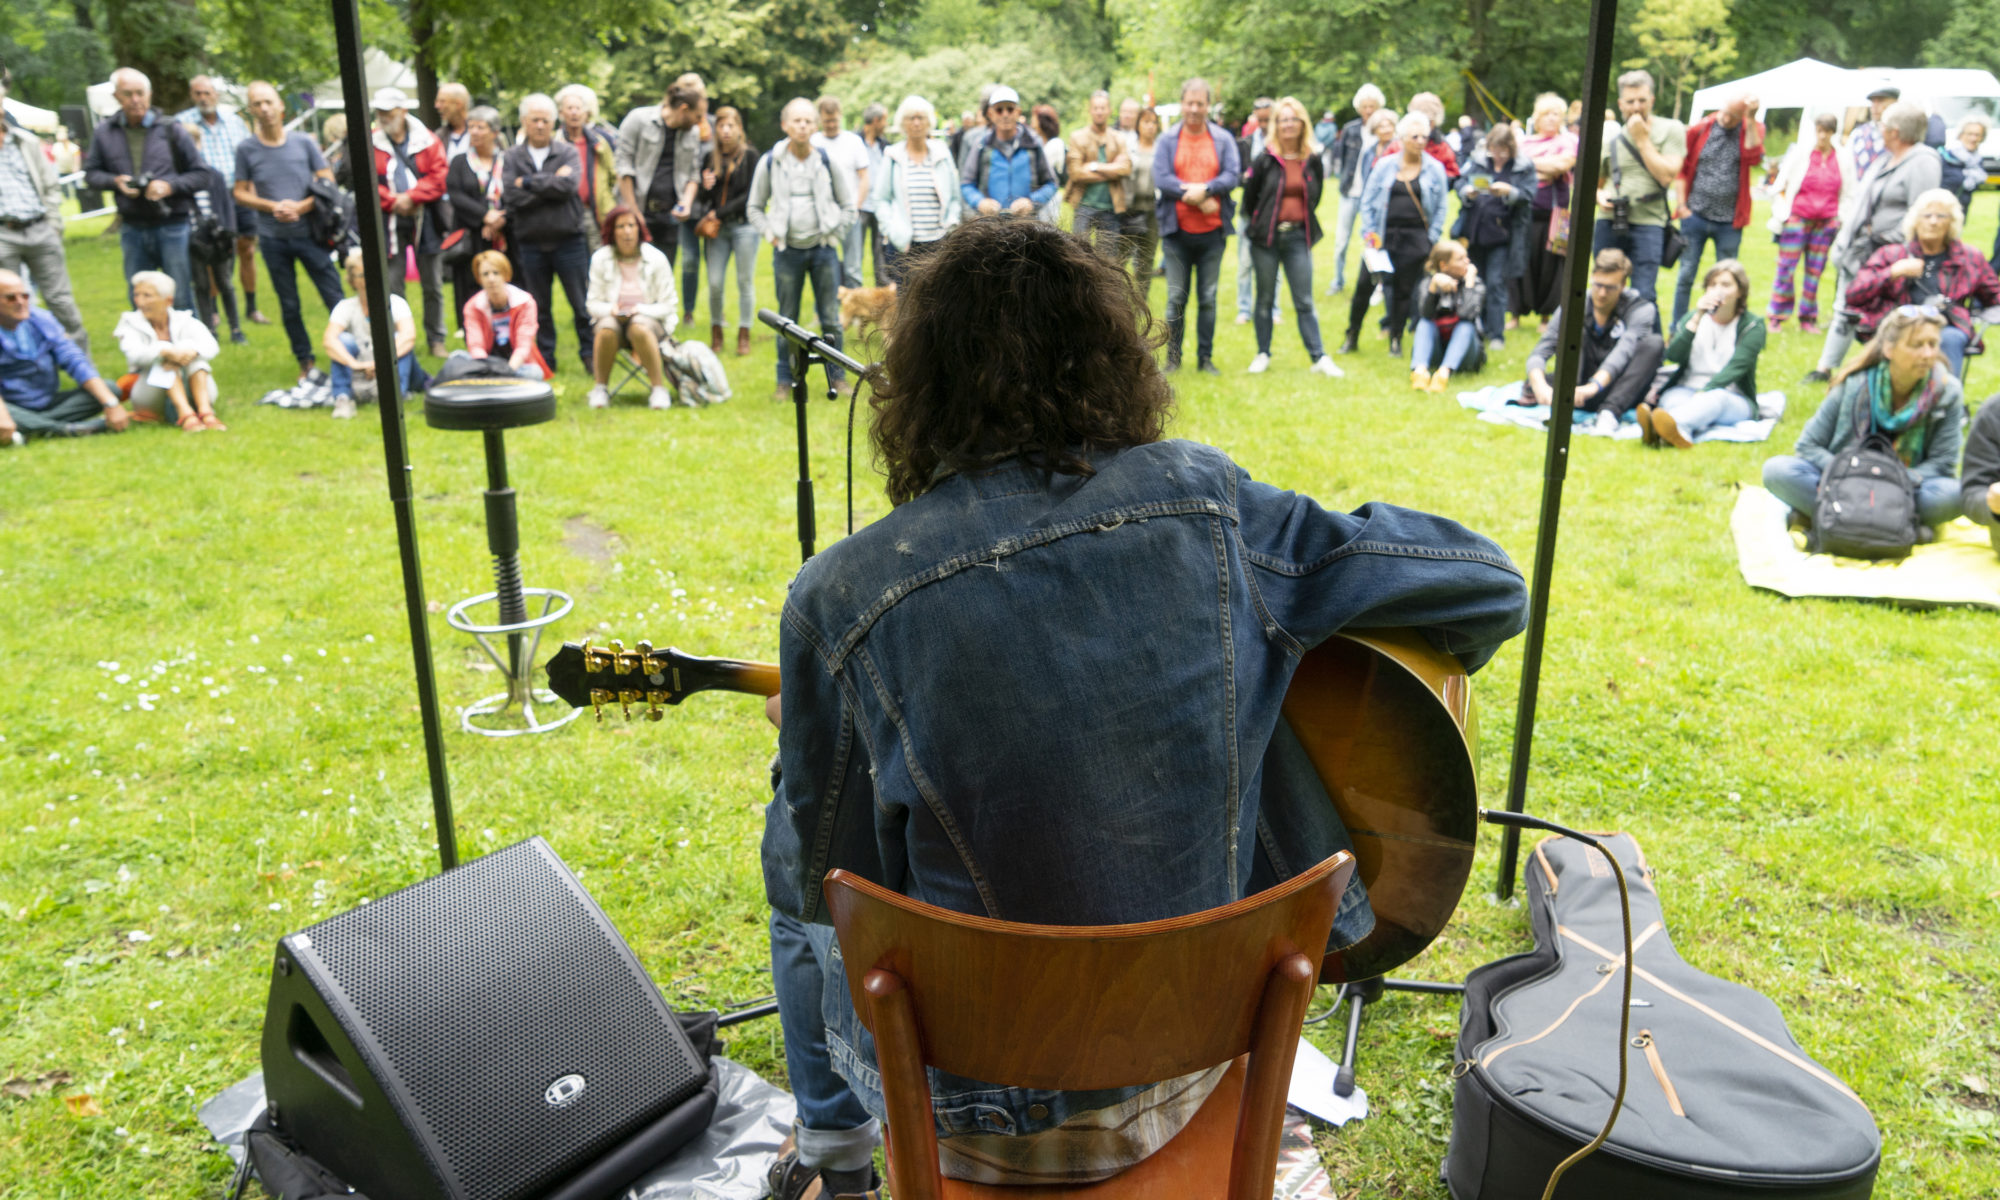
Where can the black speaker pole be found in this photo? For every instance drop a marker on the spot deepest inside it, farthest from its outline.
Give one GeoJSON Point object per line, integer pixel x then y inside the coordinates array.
{"type": "Point", "coordinates": [1576, 286]}
{"type": "Point", "coordinates": [395, 446]}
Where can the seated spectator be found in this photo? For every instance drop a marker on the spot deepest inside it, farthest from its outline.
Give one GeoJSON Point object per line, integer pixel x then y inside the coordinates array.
{"type": "Point", "coordinates": [1979, 481]}
{"type": "Point", "coordinates": [350, 345]}
{"type": "Point", "coordinates": [1496, 194]}
{"type": "Point", "coordinates": [1933, 266]}
{"type": "Point", "coordinates": [632, 304]}
{"type": "Point", "coordinates": [1715, 349]}
{"type": "Point", "coordinates": [500, 319]}
{"type": "Point", "coordinates": [1450, 305]}
{"type": "Point", "coordinates": [171, 351]}
{"type": "Point", "coordinates": [1902, 391]}
{"type": "Point", "coordinates": [1964, 165]}
{"type": "Point", "coordinates": [34, 351]}
{"type": "Point", "coordinates": [1621, 352]}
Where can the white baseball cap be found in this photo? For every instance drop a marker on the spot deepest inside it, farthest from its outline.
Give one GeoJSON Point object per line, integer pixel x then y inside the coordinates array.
{"type": "Point", "coordinates": [1003, 95]}
{"type": "Point", "coordinates": [389, 99]}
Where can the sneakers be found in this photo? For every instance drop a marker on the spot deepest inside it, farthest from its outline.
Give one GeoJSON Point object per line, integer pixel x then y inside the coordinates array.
{"type": "Point", "coordinates": [1809, 328]}
{"type": "Point", "coordinates": [659, 397]}
{"type": "Point", "coordinates": [1396, 344]}
{"type": "Point", "coordinates": [1260, 364]}
{"type": "Point", "coordinates": [1328, 368]}
{"type": "Point", "coordinates": [1420, 380]}
{"type": "Point", "coordinates": [1209, 368]}
{"type": "Point", "coordinates": [789, 1179]}
{"type": "Point", "coordinates": [236, 337]}
{"type": "Point", "coordinates": [598, 397]}
{"type": "Point", "coordinates": [343, 408]}
{"type": "Point", "coordinates": [13, 439]}
{"type": "Point", "coordinates": [1774, 324]}
{"type": "Point", "coordinates": [1243, 318]}
{"type": "Point", "coordinates": [1818, 376]}
{"type": "Point", "coordinates": [1440, 380]}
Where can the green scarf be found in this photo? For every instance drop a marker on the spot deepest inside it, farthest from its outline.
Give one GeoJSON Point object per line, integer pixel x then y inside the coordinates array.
{"type": "Point", "coordinates": [1909, 419]}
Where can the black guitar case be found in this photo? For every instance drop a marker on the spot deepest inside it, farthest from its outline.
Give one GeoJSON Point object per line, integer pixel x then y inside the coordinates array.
{"type": "Point", "coordinates": [1720, 1101]}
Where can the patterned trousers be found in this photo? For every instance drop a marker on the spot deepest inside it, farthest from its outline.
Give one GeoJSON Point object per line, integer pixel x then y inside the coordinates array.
{"type": "Point", "coordinates": [1812, 239]}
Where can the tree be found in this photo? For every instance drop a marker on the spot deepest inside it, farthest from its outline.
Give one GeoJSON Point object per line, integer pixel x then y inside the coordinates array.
{"type": "Point", "coordinates": [1971, 38]}
{"type": "Point", "coordinates": [1684, 41]}
{"type": "Point", "coordinates": [162, 38]}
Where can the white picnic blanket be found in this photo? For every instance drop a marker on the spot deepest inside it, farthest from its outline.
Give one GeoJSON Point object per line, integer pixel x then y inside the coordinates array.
{"type": "Point", "coordinates": [1496, 404]}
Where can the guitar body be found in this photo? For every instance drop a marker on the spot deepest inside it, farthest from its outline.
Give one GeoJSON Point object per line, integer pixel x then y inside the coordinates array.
{"type": "Point", "coordinates": [1385, 718]}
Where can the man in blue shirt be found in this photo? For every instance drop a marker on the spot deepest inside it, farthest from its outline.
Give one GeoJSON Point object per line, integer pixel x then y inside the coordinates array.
{"type": "Point", "coordinates": [1008, 172]}
{"type": "Point", "coordinates": [34, 351]}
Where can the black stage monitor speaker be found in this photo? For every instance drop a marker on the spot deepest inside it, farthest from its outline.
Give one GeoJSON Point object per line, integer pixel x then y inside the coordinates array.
{"type": "Point", "coordinates": [482, 1035]}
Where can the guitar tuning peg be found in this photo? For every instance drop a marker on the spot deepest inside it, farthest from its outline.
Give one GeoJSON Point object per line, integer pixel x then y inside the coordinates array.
{"type": "Point", "coordinates": [598, 699]}
{"type": "Point", "coordinates": [653, 702]}
{"type": "Point", "coordinates": [644, 648]}
{"type": "Point", "coordinates": [625, 700]}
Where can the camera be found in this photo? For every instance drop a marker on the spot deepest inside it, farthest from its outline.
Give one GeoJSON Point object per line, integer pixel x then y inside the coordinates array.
{"type": "Point", "coordinates": [1621, 216]}
{"type": "Point", "coordinates": [141, 181]}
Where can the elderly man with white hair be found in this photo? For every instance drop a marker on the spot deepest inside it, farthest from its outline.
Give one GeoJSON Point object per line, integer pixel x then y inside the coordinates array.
{"type": "Point", "coordinates": [1722, 149]}
{"type": "Point", "coordinates": [34, 356]}
{"type": "Point", "coordinates": [411, 165]}
{"type": "Point", "coordinates": [172, 352]}
{"type": "Point", "coordinates": [1348, 165]}
{"type": "Point", "coordinates": [152, 165]}
{"type": "Point", "coordinates": [539, 180]}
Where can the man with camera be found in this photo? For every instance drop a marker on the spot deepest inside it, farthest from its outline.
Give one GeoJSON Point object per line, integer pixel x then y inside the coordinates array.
{"type": "Point", "coordinates": [220, 132]}
{"type": "Point", "coordinates": [658, 160]}
{"type": "Point", "coordinates": [1622, 348]}
{"type": "Point", "coordinates": [31, 223]}
{"type": "Point", "coordinates": [152, 164]}
{"type": "Point", "coordinates": [1642, 159]}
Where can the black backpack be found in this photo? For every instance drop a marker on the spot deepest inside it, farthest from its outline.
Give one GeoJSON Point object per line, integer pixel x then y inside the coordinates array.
{"type": "Point", "coordinates": [1867, 506]}
{"type": "Point", "coordinates": [330, 224]}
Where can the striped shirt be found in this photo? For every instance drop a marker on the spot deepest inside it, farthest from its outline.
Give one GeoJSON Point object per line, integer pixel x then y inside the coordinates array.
{"type": "Point", "coordinates": [926, 216]}
{"type": "Point", "coordinates": [20, 200]}
{"type": "Point", "coordinates": [218, 141]}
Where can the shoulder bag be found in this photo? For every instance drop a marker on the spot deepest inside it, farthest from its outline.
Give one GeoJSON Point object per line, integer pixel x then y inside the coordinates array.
{"type": "Point", "coordinates": [1673, 243]}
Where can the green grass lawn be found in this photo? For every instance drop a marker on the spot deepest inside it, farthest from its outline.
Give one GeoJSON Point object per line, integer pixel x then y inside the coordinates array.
{"type": "Point", "coordinates": [209, 733]}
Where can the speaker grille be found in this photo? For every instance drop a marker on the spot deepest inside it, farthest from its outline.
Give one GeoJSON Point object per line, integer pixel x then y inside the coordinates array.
{"type": "Point", "coordinates": [483, 986]}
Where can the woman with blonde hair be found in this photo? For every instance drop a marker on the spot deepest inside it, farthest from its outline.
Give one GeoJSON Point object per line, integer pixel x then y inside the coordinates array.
{"type": "Point", "coordinates": [1552, 147]}
{"type": "Point", "coordinates": [1935, 266]}
{"type": "Point", "coordinates": [170, 350]}
{"type": "Point", "coordinates": [1280, 201]}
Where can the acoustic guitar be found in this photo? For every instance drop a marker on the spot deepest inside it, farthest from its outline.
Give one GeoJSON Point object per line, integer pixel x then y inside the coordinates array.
{"type": "Point", "coordinates": [1386, 719]}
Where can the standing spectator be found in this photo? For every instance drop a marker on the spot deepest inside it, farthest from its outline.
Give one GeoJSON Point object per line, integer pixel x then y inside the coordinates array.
{"type": "Point", "coordinates": [1621, 351]}
{"type": "Point", "coordinates": [138, 145]}
{"type": "Point", "coordinates": [849, 155]}
{"type": "Point", "coordinates": [333, 140]}
{"type": "Point", "coordinates": [1465, 139]}
{"type": "Point", "coordinates": [173, 354]}
{"type": "Point", "coordinates": [1402, 215]}
{"type": "Point", "coordinates": [1933, 267]}
{"type": "Point", "coordinates": [1642, 159]}
{"type": "Point", "coordinates": [973, 127]}
{"type": "Point", "coordinates": [350, 345]}
{"type": "Point", "coordinates": [1552, 147]}
{"type": "Point", "coordinates": [576, 106]}
{"type": "Point", "coordinates": [1865, 141]}
{"type": "Point", "coordinates": [812, 210]}
{"type": "Point", "coordinates": [1100, 168]}
{"type": "Point", "coordinates": [275, 169]}
{"type": "Point", "coordinates": [1436, 146]}
{"type": "Point", "coordinates": [1128, 121]}
{"type": "Point", "coordinates": [473, 185]}
{"type": "Point", "coordinates": [1195, 168]}
{"type": "Point", "coordinates": [632, 305]}
{"type": "Point", "coordinates": [1249, 148]}
{"type": "Point", "coordinates": [1496, 195]}
{"type": "Point", "coordinates": [1905, 170]}
{"type": "Point", "coordinates": [221, 130]}
{"type": "Point", "coordinates": [659, 155]}
{"type": "Point", "coordinates": [1382, 143]}
{"type": "Point", "coordinates": [689, 253]}
{"type": "Point", "coordinates": [725, 195]}
{"type": "Point", "coordinates": [1142, 213]}
{"type": "Point", "coordinates": [501, 320]}
{"type": "Point", "coordinates": [1450, 298]}
{"type": "Point", "coordinates": [874, 119]}
{"type": "Point", "coordinates": [1350, 171]}
{"type": "Point", "coordinates": [1964, 165]}
{"type": "Point", "coordinates": [411, 166]}
{"type": "Point", "coordinates": [1816, 184]}
{"type": "Point", "coordinates": [31, 222]}
{"type": "Point", "coordinates": [454, 108]}
{"type": "Point", "coordinates": [1048, 127]}
{"type": "Point", "coordinates": [545, 222]}
{"type": "Point", "coordinates": [1722, 149]}
{"type": "Point", "coordinates": [917, 195]}
{"type": "Point", "coordinates": [212, 246]}
{"type": "Point", "coordinates": [34, 352]}
{"type": "Point", "coordinates": [1006, 169]}
{"type": "Point", "coordinates": [1281, 195]}
{"type": "Point", "coordinates": [1715, 350]}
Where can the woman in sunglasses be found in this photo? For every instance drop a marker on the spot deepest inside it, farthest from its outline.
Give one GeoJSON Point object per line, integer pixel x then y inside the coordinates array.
{"type": "Point", "coordinates": [1932, 266]}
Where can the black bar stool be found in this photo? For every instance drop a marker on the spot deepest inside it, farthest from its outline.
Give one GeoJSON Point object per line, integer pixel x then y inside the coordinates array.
{"type": "Point", "coordinates": [492, 406]}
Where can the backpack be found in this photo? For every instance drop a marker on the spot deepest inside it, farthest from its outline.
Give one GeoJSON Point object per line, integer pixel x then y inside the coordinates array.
{"type": "Point", "coordinates": [330, 224]}
{"type": "Point", "coordinates": [1953, 178]}
{"type": "Point", "coordinates": [695, 373]}
{"type": "Point", "coordinates": [1867, 506]}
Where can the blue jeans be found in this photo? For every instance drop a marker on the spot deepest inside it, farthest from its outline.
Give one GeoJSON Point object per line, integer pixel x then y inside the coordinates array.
{"type": "Point", "coordinates": [340, 376]}
{"type": "Point", "coordinates": [1699, 232]}
{"type": "Point", "coordinates": [1198, 255]}
{"type": "Point", "coordinates": [160, 248]}
{"type": "Point", "coordinates": [790, 267]}
{"type": "Point", "coordinates": [833, 1129]}
{"type": "Point", "coordinates": [282, 258]}
{"type": "Point", "coordinates": [1424, 345]}
{"type": "Point", "coordinates": [1694, 411]}
{"type": "Point", "coordinates": [1953, 343]}
{"type": "Point", "coordinates": [541, 266]}
{"type": "Point", "coordinates": [1293, 252]}
{"type": "Point", "coordinates": [1796, 482]}
{"type": "Point", "coordinates": [739, 240]}
{"type": "Point", "coordinates": [1643, 245]}
{"type": "Point", "coordinates": [853, 244]}
{"type": "Point", "coordinates": [1350, 208]}
{"type": "Point", "coordinates": [1497, 268]}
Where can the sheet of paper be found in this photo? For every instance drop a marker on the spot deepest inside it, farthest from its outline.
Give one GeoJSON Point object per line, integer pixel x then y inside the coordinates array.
{"type": "Point", "coordinates": [1377, 262]}
{"type": "Point", "coordinates": [163, 375]}
{"type": "Point", "coordinates": [1312, 1088]}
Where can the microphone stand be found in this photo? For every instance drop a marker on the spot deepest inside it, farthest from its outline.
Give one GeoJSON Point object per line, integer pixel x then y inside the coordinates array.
{"type": "Point", "coordinates": [807, 348]}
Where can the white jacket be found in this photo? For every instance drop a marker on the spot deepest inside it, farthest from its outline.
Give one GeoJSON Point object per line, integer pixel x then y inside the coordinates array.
{"type": "Point", "coordinates": [1792, 174]}
{"type": "Point", "coordinates": [892, 201]}
{"type": "Point", "coordinates": [142, 345]}
{"type": "Point", "coordinates": [656, 280]}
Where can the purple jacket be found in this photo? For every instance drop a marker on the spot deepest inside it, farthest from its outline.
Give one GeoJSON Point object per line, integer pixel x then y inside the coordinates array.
{"type": "Point", "coordinates": [1220, 187]}
{"type": "Point", "coordinates": [32, 381]}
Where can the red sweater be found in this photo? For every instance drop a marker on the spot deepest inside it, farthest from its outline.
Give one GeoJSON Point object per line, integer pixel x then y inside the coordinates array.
{"type": "Point", "coordinates": [1697, 137]}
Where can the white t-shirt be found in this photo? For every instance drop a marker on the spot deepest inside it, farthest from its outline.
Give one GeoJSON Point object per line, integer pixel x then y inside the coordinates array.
{"type": "Point", "coordinates": [540, 154]}
{"type": "Point", "coordinates": [348, 318]}
{"type": "Point", "coordinates": [849, 155]}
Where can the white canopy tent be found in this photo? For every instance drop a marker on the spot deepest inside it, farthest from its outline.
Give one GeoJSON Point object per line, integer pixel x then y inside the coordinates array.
{"type": "Point", "coordinates": [1807, 84]}
{"type": "Point", "coordinates": [35, 120]}
{"type": "Point", "coordinates": [381, 71]}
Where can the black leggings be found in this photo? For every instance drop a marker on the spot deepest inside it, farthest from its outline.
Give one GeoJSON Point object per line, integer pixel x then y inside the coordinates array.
{"type": "Point", "coordinates": [1400, 312]}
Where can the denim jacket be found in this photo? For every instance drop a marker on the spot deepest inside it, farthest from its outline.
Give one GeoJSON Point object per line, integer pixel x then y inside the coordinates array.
{"type": "Point", "coordinates": [1055, 699]}
{"type": "Point", "coordinates": [1432, 188]}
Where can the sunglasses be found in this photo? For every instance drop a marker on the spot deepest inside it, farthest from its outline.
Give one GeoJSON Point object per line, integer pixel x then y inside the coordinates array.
{"type": "Point", "coordinates": [1925, 312]}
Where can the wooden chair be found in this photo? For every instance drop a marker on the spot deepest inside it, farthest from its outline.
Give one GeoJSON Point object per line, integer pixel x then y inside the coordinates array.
{"type": "Point", "coordinates": [1086, 1007]}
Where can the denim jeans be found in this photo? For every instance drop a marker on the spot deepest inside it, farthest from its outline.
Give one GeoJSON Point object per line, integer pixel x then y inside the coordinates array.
{"type": "Point", "coordinates": [1100, 227]}
{"type": "Point", "coordinates": [1699, 232]}
{"type": "Point", "coordinates": [1350, 208]}
{"type": "Point", "coordinates": [833, 1129]}
{"type": "Point", "coordinates": [739, 240]}
{"type": "Point", "coordinates": [1695, 411]}
{"type": "Point", "coordinates": [160, 248]}
{"type": "Point", "coordinates": [1293, 251]}
{"type": "Point", "coordinates": [1796, 482]}
{"type": "Point", "coordinates": [1953, 343]}
{"type": "Point", "coordinates": [1496, 267]}
{"type": "Point", "coordinates": [1643, 244]}
{"type": "Point", "coordinates": [690, 256]}
{"type": "Point", "coordinates": [852, 244]}
{"type": "Point", "coordinates": [1424, 345]}
{"type": "Point", "coordinates": [430, 280]}
{"type": "Point", "coordinates": [1198, 255]}
{"type": "Point", "coordinates": [282, 258]}
{"type": "Point", "coordinates": [790, 268]}
{"type": "Point", "coordinates": [541, 266]}
{"type": "Point", "coordinates": [340, 377]}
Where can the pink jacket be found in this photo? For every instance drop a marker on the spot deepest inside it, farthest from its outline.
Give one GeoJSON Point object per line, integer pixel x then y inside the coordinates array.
{"type": "Point", "coordinates": [479, 328]}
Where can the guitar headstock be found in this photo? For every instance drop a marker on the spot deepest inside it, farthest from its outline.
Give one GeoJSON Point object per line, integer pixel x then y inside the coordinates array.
{"type": "Point", "coordinates": [582, 673]}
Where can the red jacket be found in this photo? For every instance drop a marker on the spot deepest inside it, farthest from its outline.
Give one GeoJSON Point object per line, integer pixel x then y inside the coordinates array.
{"type": "Point", "coordinates": [521, 329]}
{"type": "Point", "coordinates": [1697, 137]}
{"type": "Point", "coordinates": [1440, 149]}
{"type": "Point", "coordinates": [426, 157]}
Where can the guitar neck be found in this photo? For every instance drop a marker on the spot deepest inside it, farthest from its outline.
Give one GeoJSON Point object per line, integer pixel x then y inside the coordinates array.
{"type": "Point", "coordinates": [690, 674]}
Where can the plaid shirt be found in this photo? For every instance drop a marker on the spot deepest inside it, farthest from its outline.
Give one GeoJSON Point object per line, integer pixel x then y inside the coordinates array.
{"type": "Point", "coordinates": [218, 141]}
{"type": "Point", "coordinates": [20, 200]}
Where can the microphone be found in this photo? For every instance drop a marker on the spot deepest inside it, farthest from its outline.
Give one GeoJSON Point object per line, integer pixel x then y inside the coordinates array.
{"type": "Point", "coordinates": [809, 341]}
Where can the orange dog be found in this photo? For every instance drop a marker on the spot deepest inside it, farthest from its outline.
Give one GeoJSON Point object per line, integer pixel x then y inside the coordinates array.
{"type": "Point", "coordinates": [867, 309]}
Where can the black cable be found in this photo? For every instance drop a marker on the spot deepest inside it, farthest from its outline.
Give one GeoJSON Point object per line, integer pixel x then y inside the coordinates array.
{"type": "Point", "coordinates": [853, 395]}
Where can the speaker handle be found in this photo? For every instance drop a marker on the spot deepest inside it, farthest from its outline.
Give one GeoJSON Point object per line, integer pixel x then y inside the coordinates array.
{"type": "Point", "coordinates": [310, 1047]}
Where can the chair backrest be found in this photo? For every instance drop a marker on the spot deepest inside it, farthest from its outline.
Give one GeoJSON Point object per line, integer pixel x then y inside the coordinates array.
{"type": "Point", "coordinates": [1082, 1007]}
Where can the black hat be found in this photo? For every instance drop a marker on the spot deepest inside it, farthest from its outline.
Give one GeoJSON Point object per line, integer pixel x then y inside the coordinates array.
{"type": "Point", "coordinates": [1886, 92]}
